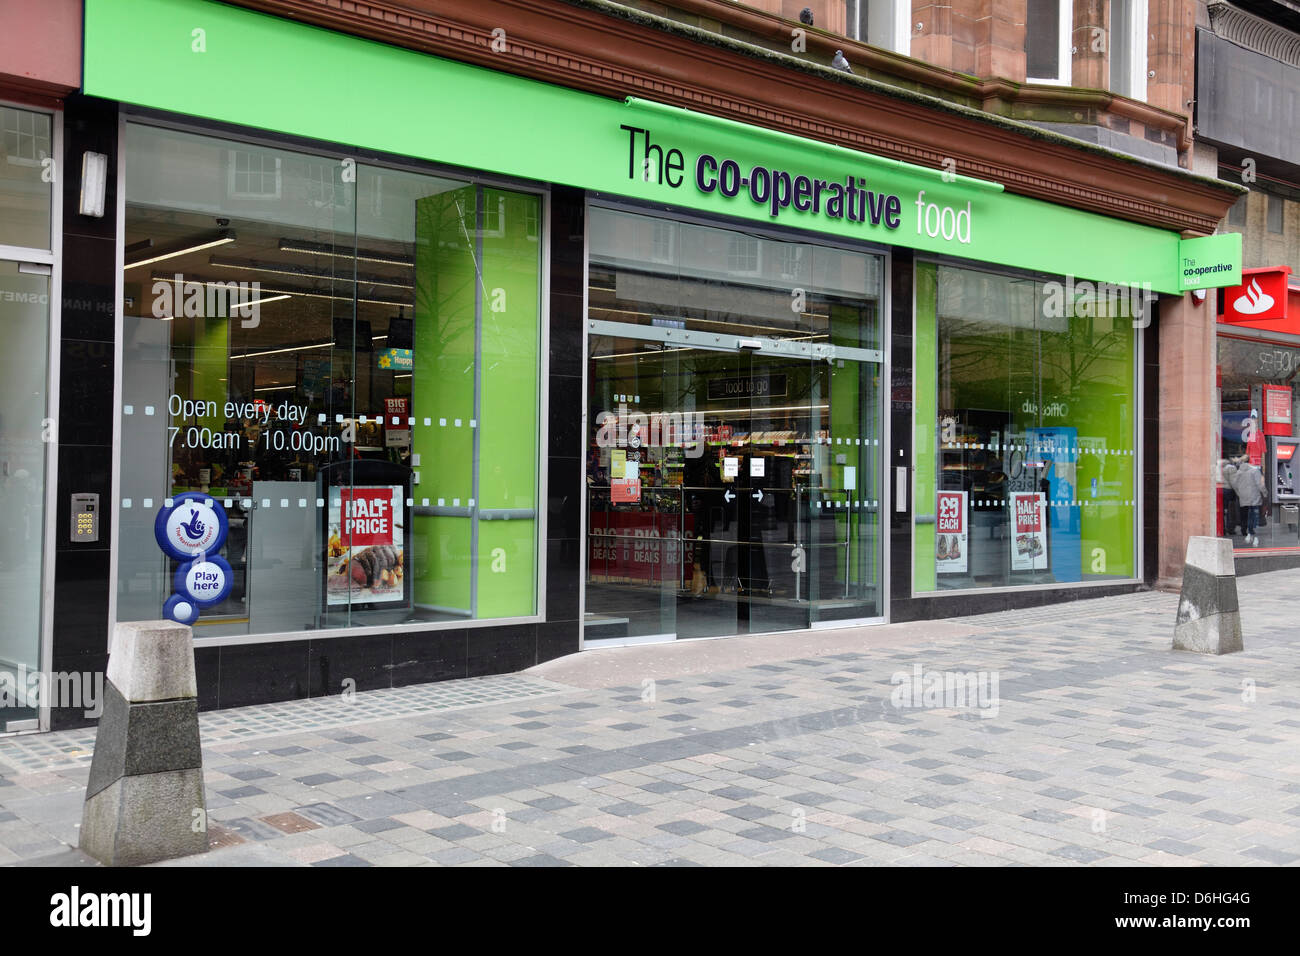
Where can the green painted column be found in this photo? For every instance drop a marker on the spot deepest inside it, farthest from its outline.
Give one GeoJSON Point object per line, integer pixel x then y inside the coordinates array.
{"type": "Point", "coordinates": [442, 389]}
{"type": "Point", "coordinates": [508, 435]}
{"type": "Point", "coordinates": [475, 379]}
{"type": "Point", "coordinates": [925, 399]}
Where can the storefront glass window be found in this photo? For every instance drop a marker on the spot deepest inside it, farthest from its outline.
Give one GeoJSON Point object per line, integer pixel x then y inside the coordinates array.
{"type": "Point", "coordinates": [1025, 415]}
{"type": "Point", "coordinates": [27, 429]}
{"type": "Point", "coordinates": [27, 175]}
{"type": "Point", "coordinates": [1257, 409]}
{"type": "Point", "coordinates": [25, 434]}
{"type": "Point", "coordinates": [341, 360]}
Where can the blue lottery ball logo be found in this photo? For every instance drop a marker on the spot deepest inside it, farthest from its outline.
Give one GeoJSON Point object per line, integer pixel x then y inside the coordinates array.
{"type": "Point", "coordinates": [193, 524]}
{"type": "Point", "coordinates": [204, 583]}
{"type": "Point", "coordinates": [181, 610]}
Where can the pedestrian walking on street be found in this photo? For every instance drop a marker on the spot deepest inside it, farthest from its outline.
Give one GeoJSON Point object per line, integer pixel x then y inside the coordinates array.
{"type": "Point", "coordinates": [1248, 482]}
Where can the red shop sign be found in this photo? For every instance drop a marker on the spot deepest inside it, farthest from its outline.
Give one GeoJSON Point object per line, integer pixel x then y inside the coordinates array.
{"type": "Point", "coordinates": [1260, 301]}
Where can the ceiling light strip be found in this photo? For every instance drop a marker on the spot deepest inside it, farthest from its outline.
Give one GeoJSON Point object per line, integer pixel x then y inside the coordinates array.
{"type": "Point", "coordinates": [221, 241]}
{"type": "Point", "coordinates": [253, 265]}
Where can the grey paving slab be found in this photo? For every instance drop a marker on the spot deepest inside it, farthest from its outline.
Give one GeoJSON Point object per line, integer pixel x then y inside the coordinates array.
{"type": "Point", "coordinates": [802, 759]}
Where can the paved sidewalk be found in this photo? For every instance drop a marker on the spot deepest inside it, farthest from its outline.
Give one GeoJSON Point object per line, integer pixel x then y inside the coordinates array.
{"type": "Point", "coordinates": [1101, 746]}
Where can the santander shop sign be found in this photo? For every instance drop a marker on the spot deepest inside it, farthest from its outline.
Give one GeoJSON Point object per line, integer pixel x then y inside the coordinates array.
{"type": "Point", "coordinates": [1261, 298]}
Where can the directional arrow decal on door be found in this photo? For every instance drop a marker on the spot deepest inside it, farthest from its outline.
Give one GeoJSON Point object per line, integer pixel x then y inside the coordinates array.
{"type": "Point", "coordinates": [727, 496]}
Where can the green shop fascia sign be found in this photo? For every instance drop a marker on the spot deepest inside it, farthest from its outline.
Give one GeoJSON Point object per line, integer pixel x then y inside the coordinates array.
{"type": "Point", "coordinates": [232, 65]}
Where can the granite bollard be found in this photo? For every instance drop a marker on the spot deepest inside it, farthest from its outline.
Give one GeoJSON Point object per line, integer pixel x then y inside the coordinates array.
{"type": "Point", "coordinates": [1209, 617]}
{"type": "Point", "coordinates": [144, 798]}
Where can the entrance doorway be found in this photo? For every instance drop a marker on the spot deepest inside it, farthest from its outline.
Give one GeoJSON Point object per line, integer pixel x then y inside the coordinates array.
{"type": "Point", "coordinates": [24, 458]}
{"type": "Point", "coordinates": [733, 464]}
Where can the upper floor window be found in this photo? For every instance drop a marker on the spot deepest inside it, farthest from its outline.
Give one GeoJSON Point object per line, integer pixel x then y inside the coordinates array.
{"type": "Point", "coordinates": [1237, 214]}
{"type": "Point", "coordinates": [26, 177]}
{"type": "Point", "coordinates": [1047, 41]}
{"type": "Point", "coordinates": [26, 136]}
{"type": "Point", "coordinates": [253, 175]}
{"type": "Point", "coordinates": [742, 254]}
{"type": "Point", "coordinates": [787, 259]}
{"type": "Point", "coordinates": [1276, 215]}
{"type": "Point", "coordinates": [1127, 48]}
{"type": "Point", "coordinates": [662, 245]}
{"type": "Point", "coordinates": [324, 186]}
{"type": "Point", "coordinates": [494, 218]}
{"type": "Point", "coordinates": [882, 23]}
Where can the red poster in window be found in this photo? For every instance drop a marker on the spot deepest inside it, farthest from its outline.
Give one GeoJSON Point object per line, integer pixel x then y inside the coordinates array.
{"type": "Point", "coordinates": [952, 513]}
{"type": "Point", "coordinates": [367, 516]}
{"type": "Point", "coordinates": [1260, 301]}
{"type": "Point", "coordinates": [951, 541]}
{"type": "Point", "coordinates": [1277, 406]}
{"type": "Point", "coordinates": [364, 556]}
{"type": "Point", "coordinates": [1029, 519]}
{"type": "Point", "coordinates": [399, 407]}
{"type": "Point", "coordinates": [1029, 531]}
{"type": "Point", "coordinates": [625, 491]}
{"type": "Point", "coordinates": [397, 422]}
{"type": "Point", "coordinates": [640, 546]}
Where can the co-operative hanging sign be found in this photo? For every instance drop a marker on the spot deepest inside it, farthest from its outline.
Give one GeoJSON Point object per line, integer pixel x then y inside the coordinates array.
{"type": "Point", "coordinates": [1209, 262]}
{"type": "Point", "coordinates": [190, 527]}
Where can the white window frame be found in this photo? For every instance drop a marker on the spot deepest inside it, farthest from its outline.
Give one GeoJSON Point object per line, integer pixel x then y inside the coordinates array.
{"type": "Point", "coordinates": [733, 260]}
{"type": "Point", "coordinates": [17, 159]}
{"type": "Point", "coordinates": [493, 225]}
{"type": "Point", "coordinates": [232, 173]}
{"type": "Point", "coordinates": [533, 222]}
{"type": "Point", "coordinates": [1136, 33]}
{"type": "Point", "coordinates": [1064, 57]}
{"type": "Point", "coordinates": [333, 195]}
{"type": "Point", "coordinates": [900, 38]}
{"type": "Point", "coordinates": [787, 253]}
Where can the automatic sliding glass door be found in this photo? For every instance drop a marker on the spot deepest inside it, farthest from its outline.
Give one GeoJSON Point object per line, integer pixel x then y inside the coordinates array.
{"type": "Point", "coordinates": [734, 459]}
{"type": "Point", "coordinates": [726, 491]}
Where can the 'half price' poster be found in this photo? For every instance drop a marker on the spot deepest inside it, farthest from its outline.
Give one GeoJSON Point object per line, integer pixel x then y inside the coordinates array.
{"type": "Point", "coordinates": [1028, 531]}
{"type": "Point", "coordinates": [367, 560]}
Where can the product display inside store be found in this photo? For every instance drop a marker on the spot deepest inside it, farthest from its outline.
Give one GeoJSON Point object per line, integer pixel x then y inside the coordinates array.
{"type": "Point", "coordinates": [343, 359]}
